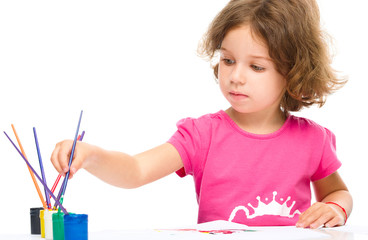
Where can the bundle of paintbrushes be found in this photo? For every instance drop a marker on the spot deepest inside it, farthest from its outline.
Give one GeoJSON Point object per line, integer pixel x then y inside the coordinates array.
{"type": "Point", "coordinates": [53, 222]}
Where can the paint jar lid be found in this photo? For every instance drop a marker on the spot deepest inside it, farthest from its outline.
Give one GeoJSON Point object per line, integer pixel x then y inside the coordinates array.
{"type": "Point", "coordinates": [35, 211]}
{"type": "Point", "coordinates": [75, 218]}
{"type": "Point", "coordinates": [48, 214]}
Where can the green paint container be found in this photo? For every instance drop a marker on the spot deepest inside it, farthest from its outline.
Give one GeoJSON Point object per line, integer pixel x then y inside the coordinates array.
{"type": "Point", "coordinates": [58, 226]}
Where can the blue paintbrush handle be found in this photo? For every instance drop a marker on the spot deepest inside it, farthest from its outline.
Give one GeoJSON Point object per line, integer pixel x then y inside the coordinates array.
{"type": "Point", "coordinates": [60, 192]}
{"type": "Point", "coordinates": [65, 182]}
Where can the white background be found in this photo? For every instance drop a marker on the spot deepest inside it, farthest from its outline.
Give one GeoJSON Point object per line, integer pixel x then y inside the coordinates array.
{"type": "Point", "coordinates": [132, 67]}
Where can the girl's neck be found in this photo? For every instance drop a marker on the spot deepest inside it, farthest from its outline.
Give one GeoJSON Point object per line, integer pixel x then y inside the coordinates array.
{"type": "Point", "coordinates": [258, 123]}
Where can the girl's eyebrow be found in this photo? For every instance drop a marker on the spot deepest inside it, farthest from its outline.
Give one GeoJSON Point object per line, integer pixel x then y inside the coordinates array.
{"type": "Point", "coordinates": [261, 57]}
{"type": "Point", "coordinates": [252, 56]}
{"type": "Point", "coordinates": [223, 49]}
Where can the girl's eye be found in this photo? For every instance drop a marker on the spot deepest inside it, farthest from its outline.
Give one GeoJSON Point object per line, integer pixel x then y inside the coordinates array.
{"type": "Point", "coordinates": [228, 61]}
{"type": "Point", "coordinates": [257, 68]}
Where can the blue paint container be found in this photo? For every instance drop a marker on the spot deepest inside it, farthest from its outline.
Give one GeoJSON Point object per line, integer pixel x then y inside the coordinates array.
{"type": "Point", "coordinates": [76, 226]}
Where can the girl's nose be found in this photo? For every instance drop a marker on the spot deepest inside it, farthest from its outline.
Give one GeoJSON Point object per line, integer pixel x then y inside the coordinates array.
{"type": "Point", "coordinates": [238, 75]}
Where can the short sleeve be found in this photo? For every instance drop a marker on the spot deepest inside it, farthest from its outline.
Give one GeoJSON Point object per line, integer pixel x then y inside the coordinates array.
{"type": "Point", "coordinates": [329, 162]}
{"type": "Point", "coordinates": [187, 142]}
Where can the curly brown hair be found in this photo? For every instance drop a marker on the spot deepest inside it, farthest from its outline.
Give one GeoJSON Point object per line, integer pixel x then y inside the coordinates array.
{"type": "Point", "coordinates": [296, 44]}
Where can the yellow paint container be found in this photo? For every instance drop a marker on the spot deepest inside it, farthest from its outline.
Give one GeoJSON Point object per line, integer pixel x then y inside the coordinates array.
{"type": "Point", "coordinates": [42, 223]}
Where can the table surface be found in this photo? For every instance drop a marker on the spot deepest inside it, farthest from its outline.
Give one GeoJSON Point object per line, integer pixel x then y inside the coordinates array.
{"type": "Point", "coordinates": [255, 233]}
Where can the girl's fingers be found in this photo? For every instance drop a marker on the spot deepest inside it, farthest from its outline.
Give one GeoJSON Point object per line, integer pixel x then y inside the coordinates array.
{"type": "Point", "coordinates": [76, 163]}
{"type": "Point", "coordinates": [316, 216]}
{"type": "Point", "coordinates": [54, 159]}
{"type": "Point", "coordinates": [321, 220]}
{"type": "Point", "coordinates": [336, 221]}
{"type": "Point", "coordinates": [61, 154]}
{"type": "Point", "coordinates": [309, 216]}
{"type": "Point", "coordinates": [320, 214]}
{"type": "Point", "coordinates": [78, 159]}
{"type": "Point", "coordinates": [59, 157]}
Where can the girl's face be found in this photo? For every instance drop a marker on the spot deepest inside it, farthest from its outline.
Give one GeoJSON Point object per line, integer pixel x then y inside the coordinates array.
{"type": "Point", "coordinates": [247, 76]}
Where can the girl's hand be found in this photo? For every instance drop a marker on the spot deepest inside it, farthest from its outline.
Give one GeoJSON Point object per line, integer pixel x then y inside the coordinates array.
{"type": "Point", "coordinates": [321, 214]}
{"type": "Point", "coordinates": [61, 154]}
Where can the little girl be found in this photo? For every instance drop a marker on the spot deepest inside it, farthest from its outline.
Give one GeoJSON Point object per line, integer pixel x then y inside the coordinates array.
{"type": "Point", "coordinates": [252, 163]}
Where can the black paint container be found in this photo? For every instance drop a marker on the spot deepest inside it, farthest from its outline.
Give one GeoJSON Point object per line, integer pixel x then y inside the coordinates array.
{"type": "Point", "coordinates": [35, 220]}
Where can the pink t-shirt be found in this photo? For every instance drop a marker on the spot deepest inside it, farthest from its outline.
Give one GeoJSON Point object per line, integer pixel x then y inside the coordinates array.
{"type": "Point", "coordinates": [257, 180]}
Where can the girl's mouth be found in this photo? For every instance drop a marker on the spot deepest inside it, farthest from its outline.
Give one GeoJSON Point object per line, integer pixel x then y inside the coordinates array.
{"type": "Point", "coordinates": [238, 96]}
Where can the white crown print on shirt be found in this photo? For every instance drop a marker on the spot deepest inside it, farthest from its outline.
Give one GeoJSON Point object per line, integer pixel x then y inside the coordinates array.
{"type": "Point", "coordinates": [273, 208]}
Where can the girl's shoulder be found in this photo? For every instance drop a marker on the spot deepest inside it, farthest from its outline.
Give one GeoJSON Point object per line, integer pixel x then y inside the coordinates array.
{"type": "Point", "coordinates": [202, 125]}
{"type": "Point", "coordinates": [308, 126]}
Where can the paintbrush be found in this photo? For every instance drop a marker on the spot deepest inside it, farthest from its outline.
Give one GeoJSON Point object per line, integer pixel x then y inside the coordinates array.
{"type": "Point", "coordinates": [63, 187]}
{"type": "Point", "coordinates": [80, 138]}
{"type": "Point", "coordinates": [41, 166]}
{"type": "Point", "coordinates": [30, 171]}
{"type": "Point", "coordinates": [38, 177]}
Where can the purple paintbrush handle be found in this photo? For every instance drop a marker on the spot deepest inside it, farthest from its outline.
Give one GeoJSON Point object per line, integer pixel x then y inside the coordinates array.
{"type": "Point", "coordinates": [38, 177]}
{"type": "Point", "coordinates": [41, 166]}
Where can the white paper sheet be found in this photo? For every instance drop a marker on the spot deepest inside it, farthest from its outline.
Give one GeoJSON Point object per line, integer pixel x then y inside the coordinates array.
{"type": "Point", "coordinates": [194, 233]}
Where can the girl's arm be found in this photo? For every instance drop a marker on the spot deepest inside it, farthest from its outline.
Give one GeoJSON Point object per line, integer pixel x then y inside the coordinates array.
{"type": "Point", "coordinates": [116, 168]}
{"type": "Point", "coordinates": [328, 189]}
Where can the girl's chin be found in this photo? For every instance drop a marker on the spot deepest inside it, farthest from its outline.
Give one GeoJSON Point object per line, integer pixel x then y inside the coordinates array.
{"type": "Point", "coordinates": [239, 109]}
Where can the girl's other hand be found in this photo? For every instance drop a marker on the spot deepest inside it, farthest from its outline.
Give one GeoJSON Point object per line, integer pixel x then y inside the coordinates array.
{"type": "Point", "coordinates": [321, 214]}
